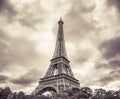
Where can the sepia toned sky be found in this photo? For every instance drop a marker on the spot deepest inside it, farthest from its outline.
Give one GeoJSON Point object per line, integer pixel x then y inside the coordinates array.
{"type": "Point", "coordinates": [28, 30]}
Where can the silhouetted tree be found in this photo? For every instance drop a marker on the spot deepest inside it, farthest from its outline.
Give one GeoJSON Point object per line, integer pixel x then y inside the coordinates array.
{"type": "Point", "coordinates": [87, 91]}
{"type": "Point", "coordinates": [112, 94]}
{"type": "Point", "coordinates": [5, 92]}
{"type": "Point", "coordinates": [99, 94]}
{"type": "Point", "coordinates": [73, 93]}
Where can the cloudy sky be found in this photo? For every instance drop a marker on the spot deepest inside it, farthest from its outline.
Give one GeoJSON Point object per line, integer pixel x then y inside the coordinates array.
{"type": "Point", "coordinates": [28, 30]}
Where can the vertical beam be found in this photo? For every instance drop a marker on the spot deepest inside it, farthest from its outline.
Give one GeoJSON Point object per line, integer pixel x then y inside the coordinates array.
{"type": "Point", "coordinates": [63, 84]}
{"type": "Point", "coordinates": [57, 86]}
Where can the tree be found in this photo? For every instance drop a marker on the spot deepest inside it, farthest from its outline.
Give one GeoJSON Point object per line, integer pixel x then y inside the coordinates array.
{"type": "Point", "coordinates": [99, 94]}
{"type": "Point", "coordinates": [87, 91]}
{"type": "Point", "coordinates": [5, 92]}
{"type": "Point", "coordinates": [20, 95]}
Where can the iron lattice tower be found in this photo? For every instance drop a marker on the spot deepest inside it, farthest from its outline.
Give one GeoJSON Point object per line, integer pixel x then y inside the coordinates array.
{"type": "Point", "coordinates": [59, 75]}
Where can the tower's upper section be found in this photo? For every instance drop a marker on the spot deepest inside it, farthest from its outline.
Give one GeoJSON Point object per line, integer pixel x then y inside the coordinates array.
{"type": "Point", "coordinates": [60, 50]}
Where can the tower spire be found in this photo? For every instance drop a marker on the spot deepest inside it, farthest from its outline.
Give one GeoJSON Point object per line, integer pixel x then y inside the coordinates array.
{"type": "Point", "coordinates": [60, 50]}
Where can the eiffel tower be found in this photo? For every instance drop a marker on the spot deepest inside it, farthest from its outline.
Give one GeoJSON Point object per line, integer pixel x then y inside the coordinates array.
{"type": "Point", "coordinates": [59, 75]}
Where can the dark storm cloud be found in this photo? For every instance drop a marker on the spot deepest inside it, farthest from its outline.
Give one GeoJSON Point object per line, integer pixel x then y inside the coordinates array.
{"type": "Point", "coordinates": [7, 9]}
{"type": "Point", "coordinates": [113, 76]}
{"type": "Point", "coordinates": [3, 78]}
{"type": "Point", "coordinates": [27, 79]}
{"type": "Point", "coordinates": [77, 23]}
{"type": "Point", "coordinates": [17, 51]}
{"type": "Point", "coordinates": [114, 3]}
{"type": "Point", "coordinates": [110, 48]}
{"type": "Point", "coordinates": [112, 65]}
{"type": "Point", "coordinates": [22, 81]}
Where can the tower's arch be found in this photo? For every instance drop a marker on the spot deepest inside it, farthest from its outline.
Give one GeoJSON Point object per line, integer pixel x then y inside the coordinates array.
{"type": "Point", "coordinates": [47, 89]}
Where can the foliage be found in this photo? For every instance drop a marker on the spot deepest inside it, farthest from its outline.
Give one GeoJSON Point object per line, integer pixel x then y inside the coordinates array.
{"type": "Point", "coordinates": [5, 92]}
{"type": "Point", "coordinates": [73, 93]}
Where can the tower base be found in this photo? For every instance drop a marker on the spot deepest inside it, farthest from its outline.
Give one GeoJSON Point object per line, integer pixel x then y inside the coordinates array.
{"type": "Point", "coordinates": [57, 84]}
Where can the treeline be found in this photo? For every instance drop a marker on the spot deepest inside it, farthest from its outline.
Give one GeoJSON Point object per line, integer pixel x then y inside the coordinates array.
{"type": "Point", "coordinates": [74, 93]}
